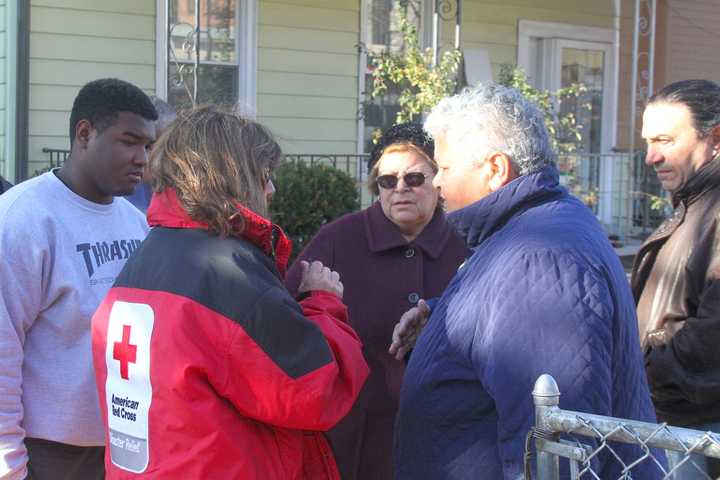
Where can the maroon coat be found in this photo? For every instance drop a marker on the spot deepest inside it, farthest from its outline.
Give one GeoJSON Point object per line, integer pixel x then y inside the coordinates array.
{"type": "Point", "coordinates": [384, 276]}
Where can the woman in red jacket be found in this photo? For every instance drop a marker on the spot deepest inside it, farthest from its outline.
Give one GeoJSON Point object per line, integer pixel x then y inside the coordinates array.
{"type": "Point", "coordinates": [206, 366]}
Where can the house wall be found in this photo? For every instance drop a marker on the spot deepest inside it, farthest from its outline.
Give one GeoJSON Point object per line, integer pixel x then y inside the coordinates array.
{"type": "Point", "coordinates": [3, 83]}
{"type": "Point", "coordinates": [307, 79]}
{"type": "Point", "coordinates": [493, 24]}
{"type": "Point", "coordinates": [685, 48]}
{"type": "Point", "coordinates": [73, 42]}
{"type": "Point", "coordinates": [691, 41]}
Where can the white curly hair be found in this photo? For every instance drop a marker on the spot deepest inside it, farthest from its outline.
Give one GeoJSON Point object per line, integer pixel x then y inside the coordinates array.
{"type": "Point", "coordinates": [489, 117]}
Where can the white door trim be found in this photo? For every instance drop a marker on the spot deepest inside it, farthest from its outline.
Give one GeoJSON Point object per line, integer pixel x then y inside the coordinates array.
{"type": "Point", "coordinates": [561, 35]}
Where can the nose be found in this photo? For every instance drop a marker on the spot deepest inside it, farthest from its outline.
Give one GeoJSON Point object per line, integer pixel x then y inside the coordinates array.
{"type": "Point", "coordinates": [142, 156]}
{"type": "Point", "coordinates": [401, 185]}
{"type": "Point", "coordinates": [653, 156]}
{"type": "Point", "coordinates": [436, 179]}
{"type": "Point", "coordinates": [269, 189]}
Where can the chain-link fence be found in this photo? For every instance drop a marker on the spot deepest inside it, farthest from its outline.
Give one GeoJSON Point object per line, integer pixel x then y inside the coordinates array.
{"type": "Point", "coordinates": [586, 446]}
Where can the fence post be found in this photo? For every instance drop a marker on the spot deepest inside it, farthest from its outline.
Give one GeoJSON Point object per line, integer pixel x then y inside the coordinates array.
{"type": "Point", "coordinates": [546, 396]}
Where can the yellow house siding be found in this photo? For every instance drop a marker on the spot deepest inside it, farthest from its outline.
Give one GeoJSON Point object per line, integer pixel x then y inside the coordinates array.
{"type": "Point", "coordinates": [492, 24]}
{"type": "Point", "coordinates": [73, 42]}
{"type": "Point", "coordinates": [308, 73]}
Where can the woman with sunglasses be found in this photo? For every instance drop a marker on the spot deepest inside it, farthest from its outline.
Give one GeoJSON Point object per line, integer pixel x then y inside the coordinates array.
{"type": "Point", "coordinates": [389, 256]}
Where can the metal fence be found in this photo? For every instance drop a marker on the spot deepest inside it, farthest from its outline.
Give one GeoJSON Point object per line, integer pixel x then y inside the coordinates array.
{"type": "Point", "coordinates": [620, 189]}
{"type": "Point", "coordinates": [580, 438]}
{"type": "Point", "coordinates": [57, 156]}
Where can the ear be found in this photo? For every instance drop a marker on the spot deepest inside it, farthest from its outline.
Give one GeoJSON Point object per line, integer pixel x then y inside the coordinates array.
{"type": "Point", "coordinates": [502, 170]}
{"type": "Point", "coordinates": [715, 139]}
{"type": "Point", "coordinates": [83, 133]}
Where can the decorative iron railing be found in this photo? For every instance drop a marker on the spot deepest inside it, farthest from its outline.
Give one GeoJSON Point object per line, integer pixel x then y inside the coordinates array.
{"type": "Point", "coordinates": [620, 189]}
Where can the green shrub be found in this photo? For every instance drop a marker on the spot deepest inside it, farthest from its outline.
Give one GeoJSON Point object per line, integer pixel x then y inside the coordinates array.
{"type": "Point", "coordinates": [309, 196]}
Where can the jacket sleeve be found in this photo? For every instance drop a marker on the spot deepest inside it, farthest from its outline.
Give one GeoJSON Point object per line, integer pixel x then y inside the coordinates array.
{"type": "Point", "coordinates": [21, 282]}
{"type": "Point", "coordinates": [688, 366]}
{"type": "Point", "coordinates": [548, 314]}
{"type": "Point", "coordinates": [320, 248]}
{"type": "Point", "coordinates": [302, 369]}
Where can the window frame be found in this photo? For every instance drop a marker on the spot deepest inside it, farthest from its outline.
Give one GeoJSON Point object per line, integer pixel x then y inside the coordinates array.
{"type": "Point", "coordinates": [246, 51]}
{"type": "Point", "coordinates": [425, 37]}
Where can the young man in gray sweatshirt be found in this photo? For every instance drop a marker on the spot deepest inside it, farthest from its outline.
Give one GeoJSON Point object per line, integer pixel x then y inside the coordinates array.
{"type": "Point", "coordinates": [64, 237]}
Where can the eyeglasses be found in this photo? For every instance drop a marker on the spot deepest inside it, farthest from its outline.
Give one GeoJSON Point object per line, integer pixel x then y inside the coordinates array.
{"type": "Point", "coordinates": [412, 179]}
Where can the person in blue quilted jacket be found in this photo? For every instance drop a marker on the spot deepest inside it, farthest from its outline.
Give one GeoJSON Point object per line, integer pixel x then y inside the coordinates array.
{"type": "Point", "coordinates": [542, 292]}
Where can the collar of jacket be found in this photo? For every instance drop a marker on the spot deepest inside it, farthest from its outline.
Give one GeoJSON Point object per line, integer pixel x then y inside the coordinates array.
{"type": "Point", "coordinates": [479, 220]}
{"type": "Point", "coordinates": [383, 234]}
{"type": "Point", "coordinates": [165, 210]}
{"type": "Point", "coordinates": [706, 178]}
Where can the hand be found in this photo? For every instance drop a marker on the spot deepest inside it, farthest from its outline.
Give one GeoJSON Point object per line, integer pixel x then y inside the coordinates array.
{"type": "Point", "coordinates": [408, 329]}
{"type": "Point", "coordinates": [316, 276]}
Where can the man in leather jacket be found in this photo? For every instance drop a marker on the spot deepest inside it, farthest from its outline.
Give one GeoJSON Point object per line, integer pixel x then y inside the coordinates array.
{"type": "Point", "coordinates": [676, 275]}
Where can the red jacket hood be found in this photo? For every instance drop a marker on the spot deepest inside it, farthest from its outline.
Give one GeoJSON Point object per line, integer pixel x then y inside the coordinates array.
{"type": "Point", "coordinates": [165, 210]}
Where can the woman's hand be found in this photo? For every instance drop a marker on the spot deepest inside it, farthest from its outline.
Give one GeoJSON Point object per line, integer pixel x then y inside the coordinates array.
{"type": "Point", "coordinates": [408, 329]}
{"type": "Point", "coordinates": [316, 276]}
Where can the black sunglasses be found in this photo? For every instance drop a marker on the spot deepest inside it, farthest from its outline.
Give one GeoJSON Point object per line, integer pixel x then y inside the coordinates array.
{"type": "Point", "coordinates": [412, 179]}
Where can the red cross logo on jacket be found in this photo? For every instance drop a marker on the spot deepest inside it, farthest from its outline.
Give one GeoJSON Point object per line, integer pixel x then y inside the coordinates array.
{"type": "Point", "coordinates": [124, 352]}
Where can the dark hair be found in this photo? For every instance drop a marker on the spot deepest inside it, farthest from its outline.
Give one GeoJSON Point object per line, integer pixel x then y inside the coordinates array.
{"type": "Point", "coordinates": [702, 97]}
{"type": "Point", "coordinates": [407, 137]}
{"type": "Point", "coordinates": [100, 102]}
{"type": "Point", "coordinates": [407, 133]}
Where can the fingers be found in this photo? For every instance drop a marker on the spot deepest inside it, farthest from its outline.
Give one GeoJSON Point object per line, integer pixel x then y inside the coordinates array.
{"type": "Point", "coordinates": [396, 341]}
{"type": "Point", "coordinates": [402, 332]}
{"type": "Point", "coordinates": [402, 351]}
{"type": "Point", "coordinates": [423, 307]}
{"type": "Point", "coordinates": [316, 268]}
{"type": "Point", "coordinates": [317, 276]}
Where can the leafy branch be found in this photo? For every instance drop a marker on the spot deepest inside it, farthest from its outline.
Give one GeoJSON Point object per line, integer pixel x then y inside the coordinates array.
{"type": "Point", "coordinates": [411, 72]}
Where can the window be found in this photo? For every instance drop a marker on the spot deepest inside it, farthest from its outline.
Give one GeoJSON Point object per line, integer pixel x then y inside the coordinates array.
{"type": "Point", "coordinates": [225, 50]}
{"type": "Point", "coordinates": [558, 55]}
{"type": "Point", "coordinates": [382, 33]}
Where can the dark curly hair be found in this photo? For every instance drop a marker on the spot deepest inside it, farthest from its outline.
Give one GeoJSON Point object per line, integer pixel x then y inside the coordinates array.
{"type": "Point", "coordinates": [411, 135]}
{"type": "Point", "coordinates": [100, 101]}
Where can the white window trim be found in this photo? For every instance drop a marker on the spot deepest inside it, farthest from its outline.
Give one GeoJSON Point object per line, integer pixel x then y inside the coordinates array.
{"type": "Point", "coordinates": [531, 28]}
{"type": "Point", "coordinates": [588, 35]}
{"type": "Point", "coordinates": [247, 53]}
{"type": "Point", "coordinates": [161, 48]}
{"type": "Point", "coordinates": [578, 36]}
{"type": "Point", "coordinates": [11, 66]}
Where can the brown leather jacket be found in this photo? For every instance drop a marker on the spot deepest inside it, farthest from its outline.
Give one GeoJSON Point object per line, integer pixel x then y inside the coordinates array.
{"type": "Point", "coordinates": [676, 283]}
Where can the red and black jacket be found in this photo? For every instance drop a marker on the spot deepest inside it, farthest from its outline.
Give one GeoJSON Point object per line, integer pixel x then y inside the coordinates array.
{"type": "Point", "coordinates": [208, 368]}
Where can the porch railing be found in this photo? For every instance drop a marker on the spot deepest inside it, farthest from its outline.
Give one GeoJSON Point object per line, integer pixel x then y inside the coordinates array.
{"type": "Point", "coordinates": [623, 192]}
{"type": "Point", "coordinates": [57, 156]}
